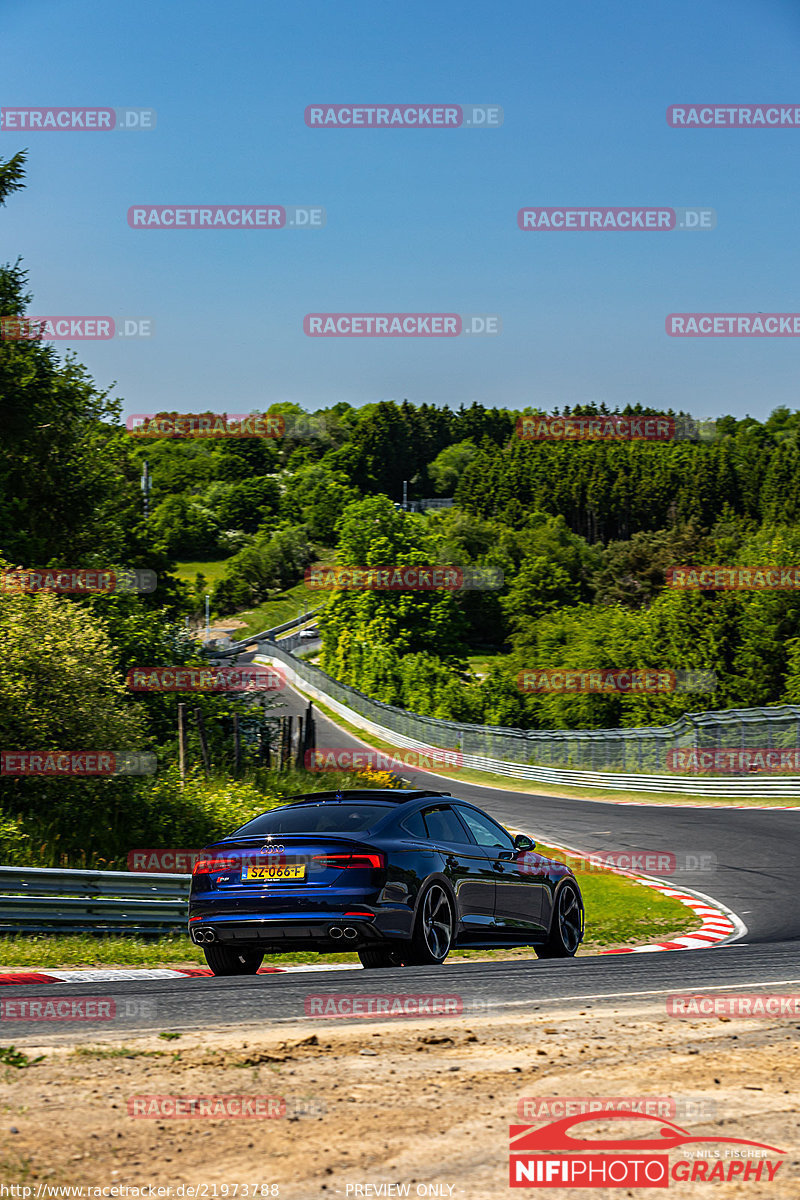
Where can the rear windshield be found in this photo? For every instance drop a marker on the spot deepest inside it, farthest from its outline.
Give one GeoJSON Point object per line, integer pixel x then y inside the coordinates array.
{"type": "Point", "coordinates": [317, 818]}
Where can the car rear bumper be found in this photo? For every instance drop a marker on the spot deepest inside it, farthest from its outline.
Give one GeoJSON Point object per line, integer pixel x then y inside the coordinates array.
{"type": "Point", "coordinates": [323, 932]}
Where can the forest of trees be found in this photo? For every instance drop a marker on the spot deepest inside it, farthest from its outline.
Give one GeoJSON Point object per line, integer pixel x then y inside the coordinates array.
{"type": "Point", "coordinates": [584, 533]}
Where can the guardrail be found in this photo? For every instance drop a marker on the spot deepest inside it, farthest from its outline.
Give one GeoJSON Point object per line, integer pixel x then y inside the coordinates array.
{"type": "Point", "coordinates": [265, 635]}
{"type": "Point", "coordinates": [522, 750]}
{"type": "Point", "coordinates": [52, 900]}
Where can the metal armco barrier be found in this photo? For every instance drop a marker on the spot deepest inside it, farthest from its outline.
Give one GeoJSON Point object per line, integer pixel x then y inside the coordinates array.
{"type": "Point", "coordinates": [267, 635]}
{"type": "Point", "coordinates": [50, 900]}
{"type": "Point", "coordinates": [617, 759]}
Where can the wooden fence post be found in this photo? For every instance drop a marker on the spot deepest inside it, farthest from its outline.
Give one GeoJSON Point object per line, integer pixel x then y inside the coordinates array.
{"type": "Point", "coordinates": [201, 733]}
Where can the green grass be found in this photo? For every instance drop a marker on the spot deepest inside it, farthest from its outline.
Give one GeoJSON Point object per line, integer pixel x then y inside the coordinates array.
{"type": "Point", "coordinates": [285, 607]}
{"type": "Point", "coordinates": [282, 607]}
{"type": "Point", "coordinates": [213, 570]}
{"type": "Point", "coordinates": [40, 951]}
{"type": "Point", "coordinates": [562, 791]}
{"type": "Point", "coordinates": [11, 1057]}
{"type": "Point", "coordinates": [618, 912]}
{"type": "Point", "coordinates": [480, 663]}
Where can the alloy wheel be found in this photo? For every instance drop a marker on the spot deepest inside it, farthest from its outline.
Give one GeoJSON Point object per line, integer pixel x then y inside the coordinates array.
{"type": "Point", "coordinates": [437, 922]}
{"type": "Point", "coordinates": [570, 919]}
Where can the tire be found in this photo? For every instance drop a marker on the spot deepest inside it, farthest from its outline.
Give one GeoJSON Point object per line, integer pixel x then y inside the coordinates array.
{"type": "Point", "coordinates": [380, 956]}
{"type": "Point", "coordinates": [434, 927]}
{"type": "Point", "coordinates": [226, 960]}
{"type": "Point", "coordinates": [566, 927]}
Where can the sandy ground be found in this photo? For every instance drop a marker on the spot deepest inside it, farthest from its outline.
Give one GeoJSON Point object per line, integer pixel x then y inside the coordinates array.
{"type": "Point", "coordinates": [421, 1103]}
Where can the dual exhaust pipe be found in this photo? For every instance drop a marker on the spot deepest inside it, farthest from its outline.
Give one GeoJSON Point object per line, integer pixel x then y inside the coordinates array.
{"type": "Point", "coordinates": [335, 931]}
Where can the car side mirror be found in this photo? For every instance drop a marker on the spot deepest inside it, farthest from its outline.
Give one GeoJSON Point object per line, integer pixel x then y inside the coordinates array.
{"type": "Point", "coordinates": [522, 842]}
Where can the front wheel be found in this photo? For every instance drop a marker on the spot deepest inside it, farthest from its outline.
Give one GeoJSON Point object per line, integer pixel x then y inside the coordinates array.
{"type": "Point", "coordinates": [566, 929]}
{"type": "Point", "coordinates": [434, 927]}
{"type": "Point", "coordinates": [225, 960]}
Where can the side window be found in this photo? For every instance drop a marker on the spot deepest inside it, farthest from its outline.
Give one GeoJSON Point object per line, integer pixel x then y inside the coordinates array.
{"type": "Point", "coordinates": [414, 825]}
{"type": "Point", "coordinates": [484, 830]}
{"type": "Point", "coordinates": [444, 826]}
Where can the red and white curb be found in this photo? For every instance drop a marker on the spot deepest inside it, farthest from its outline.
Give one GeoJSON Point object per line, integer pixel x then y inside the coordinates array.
{"type": "Point", "coordinates": [120, 974]}
{"type": "Point", "coordinates": [718, 922]}
{"type": "Point", "coordinates": [723, 804]}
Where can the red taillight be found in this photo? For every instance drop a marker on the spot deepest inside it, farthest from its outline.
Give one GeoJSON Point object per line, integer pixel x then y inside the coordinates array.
{"type": "Point", "coordinates": [206, 866]}
{"type": "Point", "coordinates": [376, 861]}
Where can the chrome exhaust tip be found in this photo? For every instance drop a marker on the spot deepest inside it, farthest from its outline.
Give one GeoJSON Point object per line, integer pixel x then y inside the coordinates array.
{"type": "Point", "coordinates": [350, 932]}
{"type": "Point", "coordinates": [335, 931]}
{"type": "Point", "coordinates": [211, 935]}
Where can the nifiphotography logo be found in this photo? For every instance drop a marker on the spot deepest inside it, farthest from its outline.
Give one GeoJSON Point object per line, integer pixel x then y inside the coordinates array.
{"type": "Point", "coordinates": [551, 1156]}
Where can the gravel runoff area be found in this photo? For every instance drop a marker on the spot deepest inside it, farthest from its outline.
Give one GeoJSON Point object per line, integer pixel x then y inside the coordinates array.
{"type": "Point", "coordinates": [420, 1102]}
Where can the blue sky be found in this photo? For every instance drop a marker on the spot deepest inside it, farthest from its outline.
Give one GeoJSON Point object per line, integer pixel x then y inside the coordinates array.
{"type": "Point", "coordinates": [417, 221]}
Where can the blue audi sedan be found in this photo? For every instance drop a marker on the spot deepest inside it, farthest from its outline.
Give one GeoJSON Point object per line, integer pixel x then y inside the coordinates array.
{"type": "Point", "coordinates": [401, 877]}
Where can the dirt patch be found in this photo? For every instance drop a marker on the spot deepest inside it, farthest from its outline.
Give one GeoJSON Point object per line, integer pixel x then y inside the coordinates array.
{"type": "Point", "coordinates": [421, 1103]}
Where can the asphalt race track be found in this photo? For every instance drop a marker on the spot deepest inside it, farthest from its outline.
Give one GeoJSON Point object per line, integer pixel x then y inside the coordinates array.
{"type": "Point", "coordinates": [757, 855]}
{"type": "Point", "coordinates": [485, 989]}
{"type": "Point", "coordinates": [757, 851]}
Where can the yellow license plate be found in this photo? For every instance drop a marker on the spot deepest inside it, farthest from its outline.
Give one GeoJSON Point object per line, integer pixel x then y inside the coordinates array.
{"type": "Point", "coordinates": [274, 874]}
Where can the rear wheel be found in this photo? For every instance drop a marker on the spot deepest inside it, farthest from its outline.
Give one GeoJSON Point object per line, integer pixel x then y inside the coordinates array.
{"type": "Point", "coordinates": [226, 960]}
{"type": "Point", "coordinates": [566, 929]}
{"type": "Point", "coordinates": [380, 956]}
{"type": "Point", "coordinates": [434, 927]}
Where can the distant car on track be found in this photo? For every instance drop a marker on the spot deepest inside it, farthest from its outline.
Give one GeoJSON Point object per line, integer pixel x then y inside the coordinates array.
{"type": "Point", "coordinates": [402, 877]}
